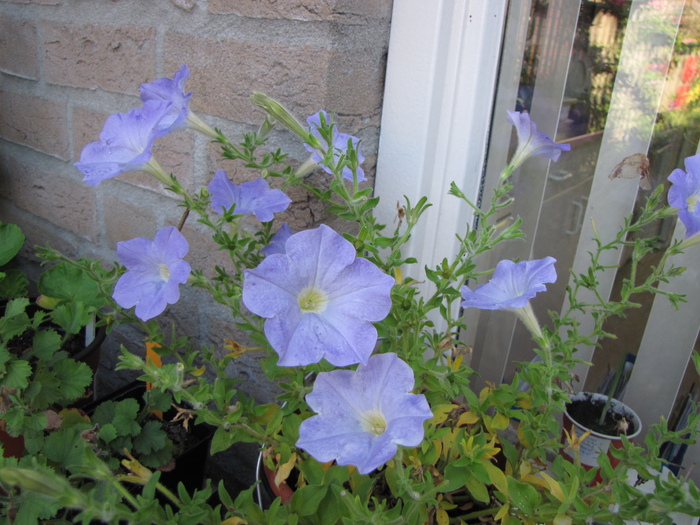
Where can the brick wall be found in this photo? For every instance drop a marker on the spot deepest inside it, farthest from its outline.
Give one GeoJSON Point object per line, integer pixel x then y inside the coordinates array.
{"type": "Point", "coordinates": [65, 65]}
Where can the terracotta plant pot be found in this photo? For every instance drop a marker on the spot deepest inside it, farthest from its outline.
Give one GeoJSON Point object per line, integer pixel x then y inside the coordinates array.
{"type": "Point", "coordinates": [582, 414]}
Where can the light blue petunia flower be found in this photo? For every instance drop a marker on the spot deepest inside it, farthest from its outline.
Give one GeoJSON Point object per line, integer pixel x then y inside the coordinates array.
{"type": "Point", "coordinates": [511, 288]}
{"type": "Point", "coordinates": [155, 271]}
{"type": "Point", "coordinates": [125, 145]}
{"type": "Point", "coordinates": [684, 194]}
{"type": "Point", "coordinates": [363, 415]}
{"type": "Point", "coordinates": [278, 241]}
{"type": "Point", "coordinates": [254, 197]}
{"type": "Point", "coordinates": [512, 285]}
{"type": "Point", "coordinates": [532, 143]}
{"type": "Point", "coordinates": [320, 300]}
{"type": "Point", "coordinates": [339, 145]}
{"type": "Point", "coordinates": [173, 91]}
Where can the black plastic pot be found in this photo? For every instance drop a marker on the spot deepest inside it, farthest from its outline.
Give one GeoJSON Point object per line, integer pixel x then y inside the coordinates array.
{"type": "Point", "coordinates": [190, 466]}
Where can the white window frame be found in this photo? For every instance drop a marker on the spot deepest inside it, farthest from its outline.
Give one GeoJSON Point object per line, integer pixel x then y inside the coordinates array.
{"type": "Point", "coordinates": [440, 83]}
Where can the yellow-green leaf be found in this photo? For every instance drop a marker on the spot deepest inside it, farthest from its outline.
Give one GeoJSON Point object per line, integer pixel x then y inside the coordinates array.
{"type": "Point", "coordinates": [562, 519]}
{"type": "Point", "coordinates": [468, 418]}
{"type": "Point", "coordinates": [440, 413]}
{"type": "Point", "coordinates": [554, 487]}
{"type": "Point", "coordinates": [284, 470]}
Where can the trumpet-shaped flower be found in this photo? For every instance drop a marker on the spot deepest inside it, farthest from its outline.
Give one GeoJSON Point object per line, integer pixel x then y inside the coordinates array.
{"type": "Point", "coordinates": [254, 197]}
{"type": "Point", "coordinates": [125, 144]}
{"type": "Point", "coordinates": [684, 194]}
{"type": "Point", "coordinates": [511, 288]}
{"type": "Point", "coordinates": [338, 144]}
{"type": "Point", "coordinates": [532, 143]}
{"type": "Point", "coordinates": [155, 271]}
{"type": "Point", "coordinates": [363, 415]}
{"type": "Point", "coordinates": [320, 300]}
{"type": "Point", "coordinates": [278, 241]}
{"type": "Point", "coordinates": [173, 91]}
{"type": "Point", "coordinates": [512, 285]}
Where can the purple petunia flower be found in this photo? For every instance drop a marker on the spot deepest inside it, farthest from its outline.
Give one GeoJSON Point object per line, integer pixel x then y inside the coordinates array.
{"type": "Point", "coordinates": [532, 143]}
{"type": "Point", "coordinates": [125, 144]}
{"type": "Point", "coordinates": [278, 241]}
{"type": "Point", "coordinates": [254, 197]}
{"type": "Point", "coordinates": [173, 91]}
{"type": "Point", "coordinates": [155, 272]}
{"type": "Point", "coordinates": [339, 146]}
{"type": "Point", "coordinates": [684, 194]}
{"type": "Point", "coordinates": [364, 414]}
{"type": "Point", "coordinates": [512, 285]}
{"type": "Point", "coordinates": [320, 300]}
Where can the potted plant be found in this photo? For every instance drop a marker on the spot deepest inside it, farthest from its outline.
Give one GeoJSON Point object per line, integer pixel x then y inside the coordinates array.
{"type": "Point", "coordinates": [377, 421]}
{"type": "Point", "coordinates": [46, 354]}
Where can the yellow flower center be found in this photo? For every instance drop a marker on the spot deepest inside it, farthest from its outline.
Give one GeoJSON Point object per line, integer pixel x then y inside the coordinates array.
{"type": "Point", "coordinates": [373, 421]}
{"type": "Point", "coordinates": [164, 272]}
{"type": "Point", "coordinates": [312, 300]}
{"type": "Point", "coordinates": [692, 202]}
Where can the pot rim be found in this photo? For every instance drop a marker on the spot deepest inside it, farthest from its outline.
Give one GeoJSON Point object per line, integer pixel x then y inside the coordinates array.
{"type": "Point", "coordinates": [582, 396]}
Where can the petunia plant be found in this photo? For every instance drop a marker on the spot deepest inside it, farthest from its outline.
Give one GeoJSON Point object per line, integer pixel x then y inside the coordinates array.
{"type": "Point", "coordinates": [376, 419]}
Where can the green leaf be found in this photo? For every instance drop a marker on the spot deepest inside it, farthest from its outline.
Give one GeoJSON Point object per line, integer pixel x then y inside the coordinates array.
{"type": "Point", "coordinates": [108, 433]}
{"type": "Point", "coordinates": [69, 283]}
{"type": "Point", "coordinates": [477, 489]}
{"type": "Point", "coordinates": [11, 241]}
{"type": "Point", "coordinates": [221, 440]}
{"type": "Point", "coordinates": [151, 438]}
{"type": "Point", "coordinates": [159, 457]}
{"type": "Point", "coordinates": [15, 321]}
{"type": "Point", "coordinates": [71, 316]}
{"type": "Point", "coordinates": [13, 283]}
{"type": "Point", "coordinates": [159, 400]}
{"type": "Point", "coordinates": [122, 414]}
{"type": "Point", "coordinates": [74, 377]}
{"type": "Point", "coordinates": [17, 375]}
{"type": "Point", "coordinates": [65, 446]}
{"type": "Point", "coordinates": [523, 496]}
{"type": "Point", "coordinates": [456, 477]}
{"type": "Point", "coordinates": [46, 343]}
{"type": "Point", "coordinates": [125, 417]}
{"type": "Point", "coordinates": [307, 499]}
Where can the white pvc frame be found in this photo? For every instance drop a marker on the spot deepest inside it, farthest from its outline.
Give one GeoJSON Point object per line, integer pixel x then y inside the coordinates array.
{"type": "Point", "coordinates": [440, 83]}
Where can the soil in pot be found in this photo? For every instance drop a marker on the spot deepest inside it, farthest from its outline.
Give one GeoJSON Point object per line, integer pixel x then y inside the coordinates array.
{"type": "Point", "coordinates": [587, 413]}
{"type": "Point", "coordinates": [582, 415]}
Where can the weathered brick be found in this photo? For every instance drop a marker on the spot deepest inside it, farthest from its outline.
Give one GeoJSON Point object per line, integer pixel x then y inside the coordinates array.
{"type": "Point", "coordinates": [350, 10]}
{"type": "Point", "coordinates": [174, 152]}
{"type": "Point", "coordinates": [124, 220]}
{"type": "Point", "coordinates": [112, 58]}
{"type": "Point", "coordinates": [225, 72]}
{"type": "Point", "coordinates": [34, 122]}
{"type": "Point", "coordinates": [289, 9]}
{"type": "Point", "coordinates": [344, 11]}
{"type": "Point", "coordinates": [355, 83]}
{"type": "Point", "coordinates": [18, 47]}
{"type": "Point", "coordinates": [204, 253]}
{"type": "Point", "coordinates": [63, 201]}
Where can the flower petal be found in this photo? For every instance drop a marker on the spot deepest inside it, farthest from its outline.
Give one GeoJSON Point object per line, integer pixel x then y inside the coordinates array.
{"type": "Point", "coordinates": [512, 285]}
{"type": "Point", "coordinates": [344, 399]}
{"type": "Point", "coordinates": [355, 293]}
{"type": "Point", "coordinates": [155, 270]}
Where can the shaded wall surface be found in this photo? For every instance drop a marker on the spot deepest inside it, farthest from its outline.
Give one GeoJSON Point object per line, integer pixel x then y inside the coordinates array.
{"type": "Point", "coordinates": [66, 65]}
